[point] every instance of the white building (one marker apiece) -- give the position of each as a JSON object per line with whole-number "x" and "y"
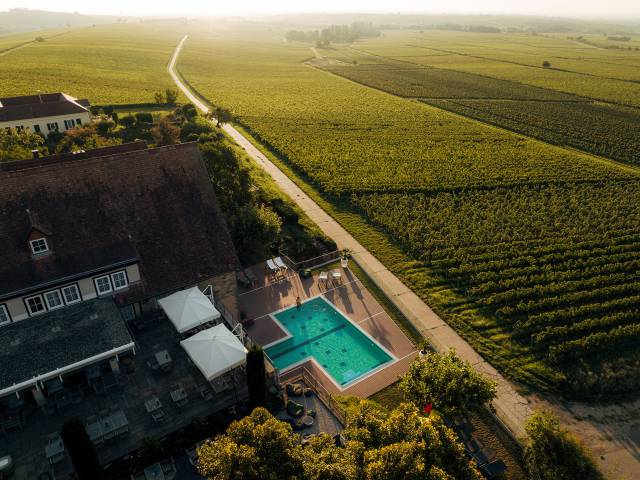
{"x": 44, "y": 113}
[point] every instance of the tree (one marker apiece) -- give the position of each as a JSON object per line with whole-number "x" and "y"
{"x": 223, "y": 115}
{"x": 165, "y": 133}
{"x": 84, "y": 137}
{"x": 256, "y": 377}
{"x": 18, "y": 145}
{"x": 552, "y": 453}
{"x": 381, "y": 445}
{"x": 450, "y": 384}
{"x": 546, "y": 64}
{"x": 257, "y": 447}
{"x": 81, "y": 450}
{"x": 171, "y": 95}
{"x": 158, "y": 97}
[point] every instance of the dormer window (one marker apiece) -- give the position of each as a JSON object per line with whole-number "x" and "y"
{"x": 39, "y": 246}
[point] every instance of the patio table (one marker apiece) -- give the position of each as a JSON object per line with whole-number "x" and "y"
{"x": 152, "y": 404}
{"x": 154, "y": 472}
{"x": 54, "y": 450}
{"x": 118, "y": 422}
{"x": 179, "y": 396}
{"x": 94, "y": 431}
{"x": 164, "y": 359}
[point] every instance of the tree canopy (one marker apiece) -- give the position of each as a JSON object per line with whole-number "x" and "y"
{"x": 552, "y": 453}
{"x": 17, "y": 145}
{"x": 381, "y": 445}
{"x": 450, "y": 384}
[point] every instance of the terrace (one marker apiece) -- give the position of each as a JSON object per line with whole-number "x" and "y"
{"x": 139, "y": 381}
{"x": 273, "y": 292}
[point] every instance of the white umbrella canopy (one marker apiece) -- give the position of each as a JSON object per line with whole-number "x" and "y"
{"x": 188, "y": 308}
{"x": 215, "y": 351}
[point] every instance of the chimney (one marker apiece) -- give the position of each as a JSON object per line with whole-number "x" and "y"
{"x": 36, "y": 153}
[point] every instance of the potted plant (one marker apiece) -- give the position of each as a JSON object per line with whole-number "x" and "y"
{"x": 345, "y": 255}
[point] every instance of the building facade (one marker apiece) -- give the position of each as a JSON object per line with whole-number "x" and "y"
{"x": 44, "y": 113}
{"x": 89, "y": 242}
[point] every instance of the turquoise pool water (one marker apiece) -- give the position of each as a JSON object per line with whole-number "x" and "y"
{"x": 319, "y": 330}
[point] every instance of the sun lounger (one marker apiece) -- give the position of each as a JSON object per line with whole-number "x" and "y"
{"x": 323, "y": 277}
{"x": 336, "y": 275}
{"x": 271, "y": 266}
{"x": 280, "y": 264}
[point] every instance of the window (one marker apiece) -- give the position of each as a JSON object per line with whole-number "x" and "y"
{"x": 119, "y": 280}
{"x": 103, "y": 285}
{"x": 128, "y": 313}
{"x": 39, "y": 245}
{"x": 69, "y": 124}
{"x": 35, "y": 305}
{"x": 52, "y": 126}
{"x": 78, "y": 121}
{"x": 4, "y": 315}
{"x": 36, "y": 128}
{"x": 71, "y": 294}
{"x": 53, "y": 299}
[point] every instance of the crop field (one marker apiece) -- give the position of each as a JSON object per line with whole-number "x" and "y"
{"x": 529, "y": 250}
{"x": 575, "y": 68}
{"x": 111, "y": 64}
{"x": 604, "y": 129}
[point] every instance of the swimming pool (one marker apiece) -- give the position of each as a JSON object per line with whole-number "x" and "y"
{"x": 320, "y": 331}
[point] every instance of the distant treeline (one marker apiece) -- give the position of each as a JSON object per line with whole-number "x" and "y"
{"x": 335, "y": 33}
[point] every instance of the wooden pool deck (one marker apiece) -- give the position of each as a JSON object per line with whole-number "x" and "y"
{"x": 352, "y": 299}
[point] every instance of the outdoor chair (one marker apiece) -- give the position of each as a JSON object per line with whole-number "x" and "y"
{"x": 242, "y": 279}
{"x": 77, "y": 396}
{"x": 323, "y": 277}
{"x": 153, "y": 365}
{"x": 158, "y": 415}
{"x": 280, "y": 264}
{"x": 205, "y": 392}
{"x": 252, "y": 278}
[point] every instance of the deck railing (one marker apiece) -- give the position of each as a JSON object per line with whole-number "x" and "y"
{"x": 311, "y": 263}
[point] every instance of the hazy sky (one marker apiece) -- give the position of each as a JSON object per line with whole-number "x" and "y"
{"x": 618, "y": 8}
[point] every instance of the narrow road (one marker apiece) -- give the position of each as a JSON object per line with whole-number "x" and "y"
{"x": 510, "y": 406}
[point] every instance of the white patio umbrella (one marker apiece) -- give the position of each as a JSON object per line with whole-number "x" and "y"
{"x": 188, "y": 308}
{"x": 215, "y": 351}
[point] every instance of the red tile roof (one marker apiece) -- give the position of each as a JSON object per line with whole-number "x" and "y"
{"x": 102, "y": 207}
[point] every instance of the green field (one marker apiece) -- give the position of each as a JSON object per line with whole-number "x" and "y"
{"x": 111, "y": 64}
{"x": 529, "y": 250}
{"x": 546, "y": 113}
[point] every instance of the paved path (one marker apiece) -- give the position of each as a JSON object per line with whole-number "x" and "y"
{"x": 511, "y": 407}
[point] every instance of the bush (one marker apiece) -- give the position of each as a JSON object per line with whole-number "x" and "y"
{"x": 81, "y": 450}
{"x": 104, "y": 127}
{"x": 128, "y": 121}
{"x": 552, "y": 453}
{"x": 144, "y": 117}
{"x": 546, "y": 64}
{"x": 171, "y": 95}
